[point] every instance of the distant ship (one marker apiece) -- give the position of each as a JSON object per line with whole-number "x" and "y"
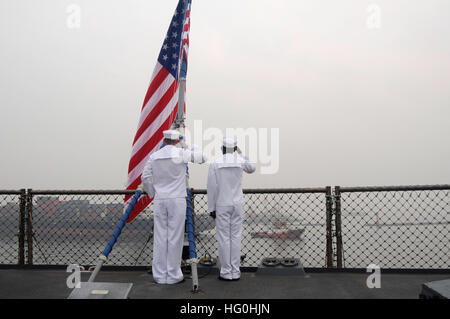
{"x": 288, "y": 234}
{"x": 283, "y": 232}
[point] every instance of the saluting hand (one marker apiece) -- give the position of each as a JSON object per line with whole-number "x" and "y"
{"x": 183, "y": 144}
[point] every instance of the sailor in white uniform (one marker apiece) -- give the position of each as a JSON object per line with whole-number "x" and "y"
{"x": 164, "y": 179}
{"x": 225, "y": 200}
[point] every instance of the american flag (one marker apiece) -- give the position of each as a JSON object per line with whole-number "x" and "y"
{"x": 161, "y": 101}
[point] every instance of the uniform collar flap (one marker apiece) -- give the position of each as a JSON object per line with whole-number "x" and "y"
{"x": 168, "y": 151}
{"x": 230, "y": 160}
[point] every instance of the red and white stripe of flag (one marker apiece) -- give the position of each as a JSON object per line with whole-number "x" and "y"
{"x": 157, "y": 115}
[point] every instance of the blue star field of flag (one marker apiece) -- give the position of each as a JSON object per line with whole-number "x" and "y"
{"x": 170, "y": 52}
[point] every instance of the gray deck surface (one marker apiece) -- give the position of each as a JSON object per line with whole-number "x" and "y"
{"x": 30, "y": 283}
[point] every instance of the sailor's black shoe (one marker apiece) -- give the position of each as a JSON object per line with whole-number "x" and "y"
{"x": 224, "y": 279}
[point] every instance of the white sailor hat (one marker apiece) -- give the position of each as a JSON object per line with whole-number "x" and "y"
{"x": 172, "y": 135}
{"x": 229, "y": 142}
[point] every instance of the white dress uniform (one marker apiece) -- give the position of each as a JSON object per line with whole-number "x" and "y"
{"x": 225, "y": 197}
{"x": 164, "y": 179}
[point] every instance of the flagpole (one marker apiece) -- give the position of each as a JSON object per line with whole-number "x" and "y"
{"x": 180, "y": 125}
{"x": 179, "y": 119}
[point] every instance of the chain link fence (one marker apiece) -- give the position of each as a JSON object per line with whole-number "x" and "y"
{"x": 395, "y": 227}
{"x": 12, "y": 227}
{"x": 73, "y": 228}
{"x": 280, "y": 223}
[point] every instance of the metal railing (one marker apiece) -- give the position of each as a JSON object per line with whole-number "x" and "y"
{"x": 12, "y": 226}
{"x": 342, "y": 227}
{"x": 72, "y": 227}
{"x": 283, "y": 223}
{"x": 394, "y": 227}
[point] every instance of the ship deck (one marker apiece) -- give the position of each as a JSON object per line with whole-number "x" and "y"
{"x": 20, "y": 283}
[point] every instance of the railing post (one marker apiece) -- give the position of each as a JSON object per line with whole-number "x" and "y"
{"x": 21, "y": 256}
{"x": 193, "y": 208}
{"x": 337, "y": 203}
{"x": 29, "y": 222}
{"x": 329, "y": 247}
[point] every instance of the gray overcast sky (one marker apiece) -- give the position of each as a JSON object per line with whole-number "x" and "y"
{"x": 354, "y": 105}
